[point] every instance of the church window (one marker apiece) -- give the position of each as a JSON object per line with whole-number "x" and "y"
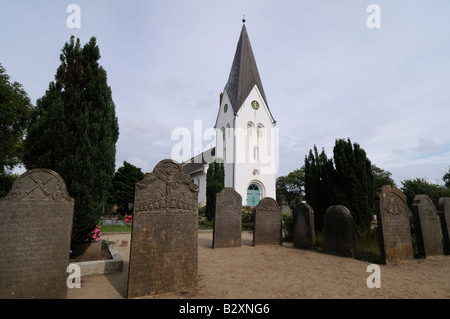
{"x": 250, "y": 128}
{"x": 255, "y": 153}
{"x": 224, "y": 145}
{"x": 260, "y": 131}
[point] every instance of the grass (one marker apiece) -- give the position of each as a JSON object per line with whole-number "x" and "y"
{"x": 115, "y": 228}
{"x": 366, "y": 245}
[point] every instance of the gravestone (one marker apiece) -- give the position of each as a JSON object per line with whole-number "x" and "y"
{"x": 35, "y": 234}
{"x": 394, "y": 232}
{"x": 267, "y": 223}
{"x": 164, "y": 236}
{"x": 444, "y": 217}
{"x": 227, "y": 231}
{"x": 303, "y": 220}
{"x": 428, "y": 234}
{"x": 339, "y": 231}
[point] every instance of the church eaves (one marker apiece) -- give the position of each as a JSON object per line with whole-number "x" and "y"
{"x": 244, "y": 73}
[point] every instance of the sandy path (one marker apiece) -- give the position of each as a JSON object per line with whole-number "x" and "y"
{"x": 274, "y": 272}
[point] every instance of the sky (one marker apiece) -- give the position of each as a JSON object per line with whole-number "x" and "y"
{"x": 326, "y": 73}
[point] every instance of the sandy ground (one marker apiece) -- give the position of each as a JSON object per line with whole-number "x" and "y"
{"x": 282, "y": 272}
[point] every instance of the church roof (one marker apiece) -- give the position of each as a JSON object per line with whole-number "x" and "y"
{"x": 195, "y": 164}
{"x": 244, "y": 73}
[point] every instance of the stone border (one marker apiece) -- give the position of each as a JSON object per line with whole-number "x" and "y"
{"x": 100, "y": 267}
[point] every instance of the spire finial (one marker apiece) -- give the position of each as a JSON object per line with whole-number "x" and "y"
{"x": 243, "y": 18}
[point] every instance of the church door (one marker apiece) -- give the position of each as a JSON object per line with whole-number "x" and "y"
{"x": 253, "y": 195}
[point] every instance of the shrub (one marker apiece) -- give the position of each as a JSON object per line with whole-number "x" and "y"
{"x": 287, "y": 227}
{"x": 248, "y": 218}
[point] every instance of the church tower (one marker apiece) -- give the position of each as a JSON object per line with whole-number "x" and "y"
{"x": 246, "y": 138}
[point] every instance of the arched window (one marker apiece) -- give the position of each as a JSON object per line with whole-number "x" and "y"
{"x": 260, "y": 131}
{"x": 224, "y": 145}
{"x": 250, "y": 142}
{"x": 250, "y": 129}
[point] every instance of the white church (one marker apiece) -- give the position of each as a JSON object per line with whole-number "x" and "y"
{"x": 246, "y": 137}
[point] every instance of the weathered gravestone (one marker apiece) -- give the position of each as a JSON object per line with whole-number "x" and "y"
{"x": 428, "y": 235}
{"x": 164, "y": 237}
{"x": 444, "y": 217}
{"x": 35, "y": 234}
{"x": 339, "y": 231}
{"x": 394, "y": 233}
{"x": 227, "y": 230}
{"x": 267, "y": 223}
{"x": 303, "y": 220}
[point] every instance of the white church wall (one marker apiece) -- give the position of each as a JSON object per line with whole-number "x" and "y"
{"x": 255, "y": 158}
{"x": 225, "y": 147}
{"x": 200, "y": 181}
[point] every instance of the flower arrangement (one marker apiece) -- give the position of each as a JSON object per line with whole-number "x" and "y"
{"x": 94, "y": 235}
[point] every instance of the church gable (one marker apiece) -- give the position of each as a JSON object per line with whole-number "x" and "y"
{"x": 254, "y": 108}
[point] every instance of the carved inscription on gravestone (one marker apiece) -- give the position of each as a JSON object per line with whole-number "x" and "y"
{"x": 164, "y": 237}
{"x": 227, "y": 230}
{"x": 267, "y": 223}
{"x": 444, "y": 217}
{"x": 394, "y": 234}
{"x": 35, "y": 234}
{"x": 426, "y": 223}
{"x": 303, "y": 220}
{"x": 339, "y": 231}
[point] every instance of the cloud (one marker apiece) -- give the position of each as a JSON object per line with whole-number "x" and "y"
{"x": 325, "y": 74}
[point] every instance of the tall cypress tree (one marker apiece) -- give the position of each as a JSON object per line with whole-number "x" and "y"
{"x": 348, "y": 181}
{"x": 319, "y": 184}
{"x": 354, "y": 181}
{"x": 215, "y": 181}
{"x": 74, "y": 131}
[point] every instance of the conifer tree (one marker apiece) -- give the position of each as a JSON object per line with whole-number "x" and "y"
{"x": 74, "y": 131}
{"x": 348, "y": 181}
{"x": 354, "y": 181}
{"x": 122, "y": 189}
{"x": 319, "y": 184}
{"x": 215, "y": 181}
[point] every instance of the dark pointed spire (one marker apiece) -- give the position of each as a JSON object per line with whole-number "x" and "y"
{"x": 244, "y": 72}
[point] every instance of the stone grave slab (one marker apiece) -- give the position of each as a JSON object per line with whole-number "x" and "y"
{"x": 394, "y": 231}
{"x": 444, "y": 217}
{"x": 227, "y": 230}
{"x": 428, "y": 234}
{"x": 35, "y": 234}
{"x": 267, "y": 223}
{"x": 339, "y": 231}
{"x": 164, "y": 237}
{"x": 303, "y": 220}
